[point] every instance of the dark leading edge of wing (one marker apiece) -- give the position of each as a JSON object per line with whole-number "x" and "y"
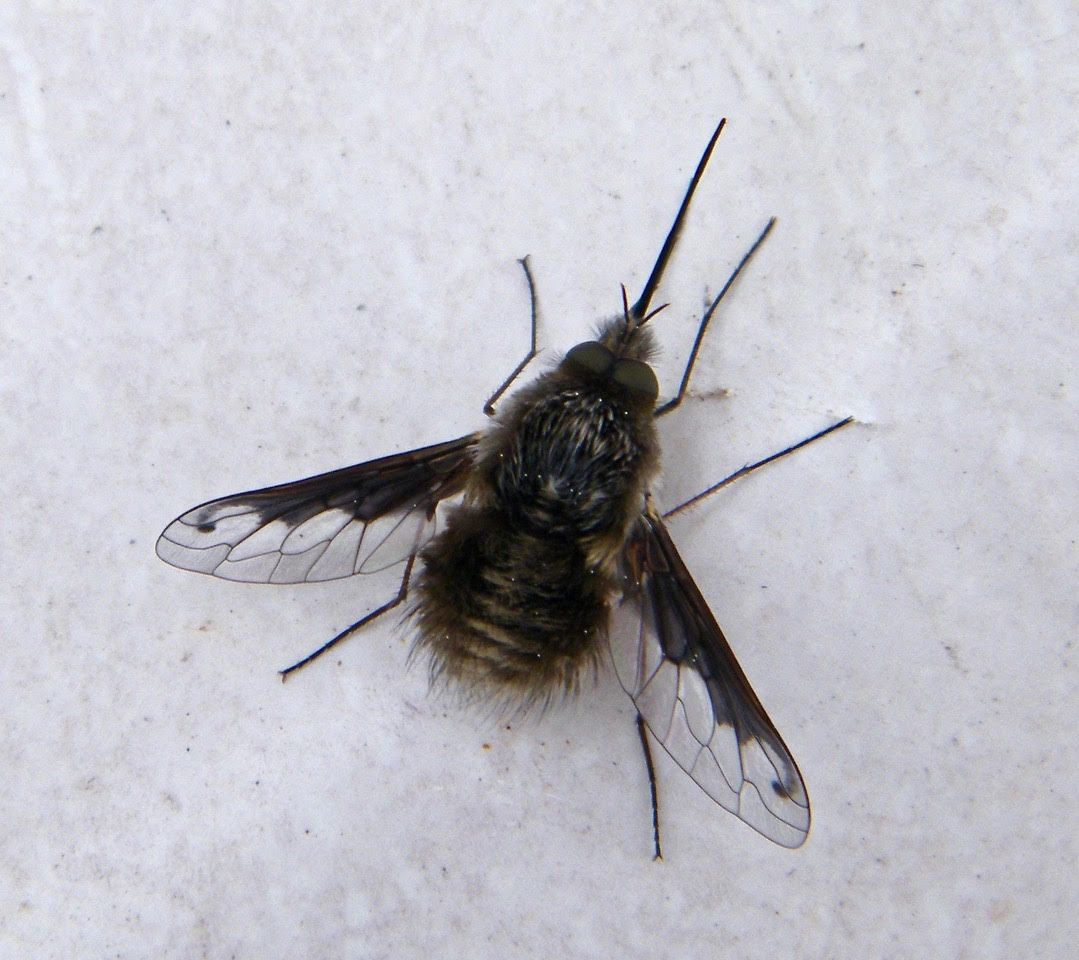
{"x": 358, "y": 519}
{"x": 694, "y": 697}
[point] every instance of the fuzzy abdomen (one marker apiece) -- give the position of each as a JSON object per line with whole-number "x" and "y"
{"x": 514, "y": 594}
{"x": 507, "y": 610}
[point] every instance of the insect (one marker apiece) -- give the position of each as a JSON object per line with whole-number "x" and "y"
{"x": 550, "y": 532}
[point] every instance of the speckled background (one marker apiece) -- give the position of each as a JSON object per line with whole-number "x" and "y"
{"x": 246, "y": 242}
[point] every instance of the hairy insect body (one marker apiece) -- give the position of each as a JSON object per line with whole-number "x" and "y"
{"x": 548, "y": 517}
{"x": 515, "y": 593}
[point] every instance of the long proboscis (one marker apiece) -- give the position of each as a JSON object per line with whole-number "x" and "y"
{"x": 639, "y": 310}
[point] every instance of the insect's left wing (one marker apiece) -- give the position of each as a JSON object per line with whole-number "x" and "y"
{"x": 695, "y": 699}
{"x": 359, "y": 519}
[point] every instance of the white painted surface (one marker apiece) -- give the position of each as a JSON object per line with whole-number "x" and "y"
{"x": 196, "y": 203}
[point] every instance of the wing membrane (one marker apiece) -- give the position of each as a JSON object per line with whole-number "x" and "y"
{"x": 683, "y": 676}
{"x": 358, "y": 519}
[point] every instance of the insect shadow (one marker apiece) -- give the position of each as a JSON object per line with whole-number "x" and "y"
{"x": 551, "y": 549}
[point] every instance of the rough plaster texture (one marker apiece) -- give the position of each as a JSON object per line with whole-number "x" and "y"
{"x": 245, "y": 242}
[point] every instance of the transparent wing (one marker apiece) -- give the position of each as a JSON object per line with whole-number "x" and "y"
{"x": 359, "y": 519}
{"x": 695, "y": 699}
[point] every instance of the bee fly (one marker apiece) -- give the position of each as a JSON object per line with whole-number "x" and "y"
{"x": 553, "y": 532}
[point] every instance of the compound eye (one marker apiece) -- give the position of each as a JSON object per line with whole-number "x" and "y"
{"x": 637, "y": 377}
{"x": 592, "y": 356}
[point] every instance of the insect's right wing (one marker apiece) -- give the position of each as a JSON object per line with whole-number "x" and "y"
{"x": 358, "y": 519}
{"x": 695, "y": 699}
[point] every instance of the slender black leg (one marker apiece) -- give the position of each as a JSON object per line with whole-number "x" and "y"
{"x": 707, "y": 318}
{"x": 489, "y": 406}
{"x": 402, "y": 593}
{"x": 750, "y": 467}
{"x": 642, "y": 732}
